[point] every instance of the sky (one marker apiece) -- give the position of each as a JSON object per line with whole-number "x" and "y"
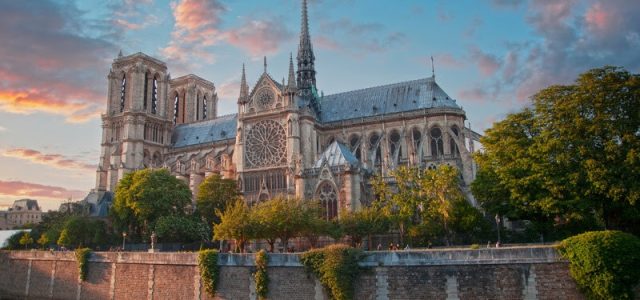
{"x": 489, "y": 55}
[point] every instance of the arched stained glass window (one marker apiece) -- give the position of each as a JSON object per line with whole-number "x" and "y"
{"x": 154, "y": 96}
{"x": 204, "y": 107}
{"x": 176, "y": 108}
{"x": 328, "y": 197}
{"x": 437, "y": 145}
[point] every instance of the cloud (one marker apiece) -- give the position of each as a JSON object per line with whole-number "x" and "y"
{"x": 132, "y": 14}
{"x": 507, "y": 3}
{"x": 357, "y": 38}
{"x": 52, "y": 160}
{"x": 3, "y": 129}
{"x": 487, "y": 63}
{"x": 259, "y": 37}
{"x": 21, "y": 189}
{"x": 51, "y": 57}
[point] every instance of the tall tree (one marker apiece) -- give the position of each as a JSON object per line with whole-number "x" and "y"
{"x": 280, "y": 218}
{"x": 215, "y": 193}
{"x": 143, "y": 196}
{"x": 364, "y": 223}
{"x": 575, "y": 152}
{"x": 236, "y": 223}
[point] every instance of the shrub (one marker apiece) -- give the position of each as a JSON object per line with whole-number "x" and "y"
{"x": 82, "y": 256}
{"x": 604, "y": 264}
{"x": 475, "y": 247}
{"x": 261, "y": 277}
{"x": 208, "y": 264}
{"x": 336, "y": 267}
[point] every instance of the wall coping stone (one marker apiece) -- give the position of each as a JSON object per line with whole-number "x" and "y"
{"x": 430, "y": 257}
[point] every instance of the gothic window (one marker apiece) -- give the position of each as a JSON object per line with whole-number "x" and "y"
{"x": 176, "y": 108}
{"x": 354, "y": 142}
{"x": 123, "y": 87}
{"x": 154, "y": 96}
{"x": 452, "y": 143}
{"x": 416, "y": 137}
{"x": 394, "y": 145}
{"x": 265, "y": 144}
{"x": 437, "y": 146}
{"x": 328, "y": 197}
{"x": 204, "y": 107}
{"x": 197, "y": 106}
{"x": 374, "y": 149}
{"x": 146, "y": 88}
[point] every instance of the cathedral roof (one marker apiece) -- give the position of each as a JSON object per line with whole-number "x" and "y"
{"x": 386, "y": 99}
{"x": 209, "y": 131}
{"x": 337, "y": 154}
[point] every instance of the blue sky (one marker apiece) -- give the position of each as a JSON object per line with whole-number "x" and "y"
{"x": 490, "y": 55}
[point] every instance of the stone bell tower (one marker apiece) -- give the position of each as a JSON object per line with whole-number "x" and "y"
{"x": 137, "y": 124}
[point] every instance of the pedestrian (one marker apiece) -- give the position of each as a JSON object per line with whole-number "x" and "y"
{"x": 390, "y": 246}
{"x": 379, "y": 247}
{"x": 407, "y": 247}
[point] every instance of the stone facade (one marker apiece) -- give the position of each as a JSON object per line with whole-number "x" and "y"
{"x": 22, "y": 212}
{"x": 286, "y": 138}
{"x": 503, "y": 273}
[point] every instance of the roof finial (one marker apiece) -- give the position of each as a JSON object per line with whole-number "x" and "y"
{"x": 292, "y": 76}
{"x": 244, "y": 88}
{"x": 433, "y": 69}
{"x": 120, "y": 53}
{"x": 265, "y": 64}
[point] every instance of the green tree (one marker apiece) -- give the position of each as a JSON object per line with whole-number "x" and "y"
{"x": 64, "y": 240}
{"x": 441, "y": 189}
{"x": 215, "y": 193}
{"x": 143, "y": 196}
{"x": 236, "y": 223}
{"x": 26, "y": 240}
{"x": 280, "y": 218}
{"x": 182, "y": 229}
{"x": 363, "y": 223}
{"x": 44, "y": 241}
{"x": 576, "y": 149}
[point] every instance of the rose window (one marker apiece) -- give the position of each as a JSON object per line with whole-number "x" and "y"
{"x": 265, "y": 99}
{"x": 265, "y": 144}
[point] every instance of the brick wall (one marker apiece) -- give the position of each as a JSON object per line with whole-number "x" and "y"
{"x": 459, "y": 274}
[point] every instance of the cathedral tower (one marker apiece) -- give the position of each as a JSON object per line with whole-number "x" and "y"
{"x": 136, "y": 127}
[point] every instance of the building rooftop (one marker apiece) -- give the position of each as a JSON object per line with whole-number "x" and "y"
{"x": 209, "y": 131}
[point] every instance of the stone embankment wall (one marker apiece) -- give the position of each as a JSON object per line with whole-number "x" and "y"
{"x": 504, "y": 273}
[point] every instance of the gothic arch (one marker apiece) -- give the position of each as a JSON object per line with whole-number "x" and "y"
{"x": 155, "y": 86}
{"x": 395, "y": 146}
{"x": 454, "y": 150}
{"x": 416, "y": 141}
{"x": 355, "y": 145}
{"x": 327, "y": 194}
{"x": 436, "y": 141}
{"x": 374, "y": 149}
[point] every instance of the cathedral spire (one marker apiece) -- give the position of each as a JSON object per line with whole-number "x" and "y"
{"x": 306, "y": 58}
{"x": 244, "y": 88}
{"x": 291, "y": 85}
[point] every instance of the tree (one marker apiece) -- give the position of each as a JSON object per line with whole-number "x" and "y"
{"x": 83, "y": 232}
{"x": 215, "y": 193}
{"x": 280, "y": 218}
{"x": 576, "y": 149}
{"x": 44, "y": 241}
{"x": 64, "y": 240}
{"x": 143, "y": 196}
{"x": 363, "y": 223}
{"x": 181, "y": 229}
{"x": 236, "y": 223}
{"x": 441, "y": 188}
{"x": 26, "y": 240}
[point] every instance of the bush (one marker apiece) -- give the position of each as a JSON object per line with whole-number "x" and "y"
{"x": 261, "y": 277}
{"x": 475, "y": 247}
{"x": 82, "y": 256}
{"x": 208, "y": 264}
{"x": 605, "y": 264}
{"x": 336, "y": 267}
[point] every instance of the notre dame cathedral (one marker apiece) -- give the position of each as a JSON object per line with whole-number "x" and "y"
{"x": 284, "y": 139}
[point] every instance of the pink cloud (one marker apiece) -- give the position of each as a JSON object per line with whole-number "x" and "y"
{"x": 488, "y": 64}
{"x": 53, "y": 160}
{"x": 597, "y": 18}
{"x": 20, "y": 189}
{"x": 259, "y": 37}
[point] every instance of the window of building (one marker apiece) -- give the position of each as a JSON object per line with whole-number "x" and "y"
{"x": 123, "y": 88}
{"x": 437, "y": 146}
{"x": 154, "y": 96}
{"x": 328, "y": 197}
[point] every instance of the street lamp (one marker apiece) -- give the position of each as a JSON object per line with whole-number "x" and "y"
{"x": 498, "y": 226}
{"x": 124, "y": 237}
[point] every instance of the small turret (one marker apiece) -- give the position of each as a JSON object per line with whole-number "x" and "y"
{"x": 306, "y": 58}
{"x": 291, "y": 85}
{"x": 244, "y": 88}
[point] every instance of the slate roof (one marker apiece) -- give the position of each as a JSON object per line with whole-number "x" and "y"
{"x": 382, "y": 100}
{"x": 337, "y": 154}
{"x": 209, "y": 131}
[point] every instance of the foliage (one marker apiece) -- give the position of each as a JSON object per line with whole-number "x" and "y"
{"x": 428, "y": 205}
{"x": 605, "y": 264}
{"x": 181, "y": 229}
{"x": 336, "y": 267}
{"x": 13, "y": 242}
{"x": 280, "y": 218}
{"x": 363, "y": 223}
{"x": 236, "y": 223}
{"x": 44, "y": 241}
{"x": 82, "y": 257}
{"x": 208, "y": 264}
{"x": 26, "y": 240}
{"x": 314, "y": 226}
{"x": 261, "y": 277}
{"x": 143, "y": 196}
{"x": 215, "y": 193}
{"x": 575, "y": 149}
{"x": 83, "y": 231}
{"x": 474, "y": 247}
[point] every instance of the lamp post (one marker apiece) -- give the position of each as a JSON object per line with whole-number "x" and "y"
{"x": 124, "y": 238}
{"x": 498, "y": 227}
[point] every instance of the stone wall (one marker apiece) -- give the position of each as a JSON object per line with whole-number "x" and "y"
{"x": 505, "y": 273}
